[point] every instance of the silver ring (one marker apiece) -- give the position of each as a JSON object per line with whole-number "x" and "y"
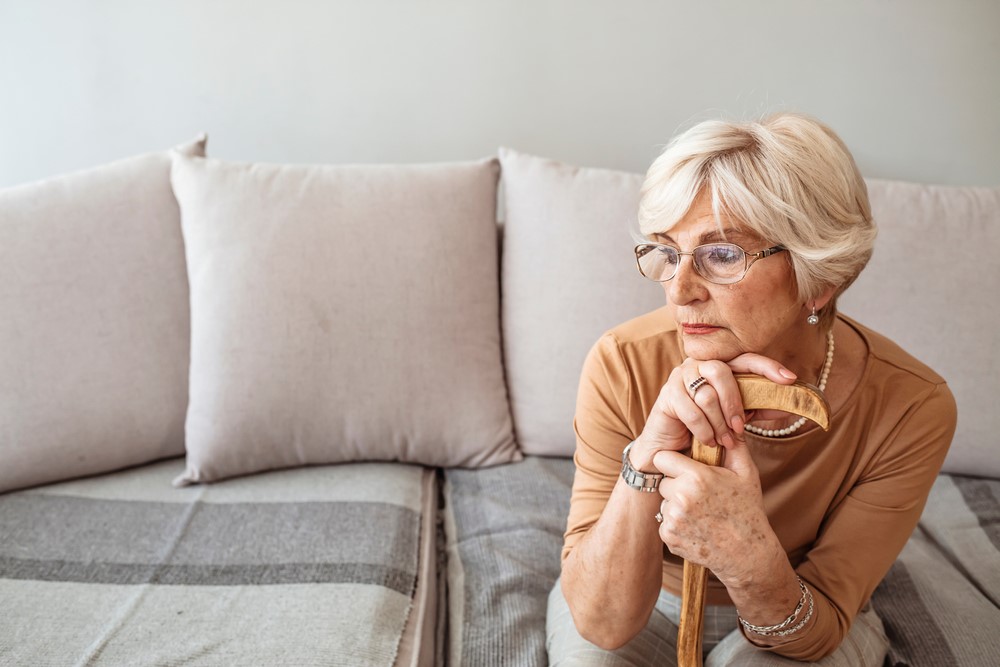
{"x": 695, "y": 385}
{"x": 659, "y": 517}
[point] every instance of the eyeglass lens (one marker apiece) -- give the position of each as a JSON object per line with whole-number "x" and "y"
{"x": 718, "y": 262}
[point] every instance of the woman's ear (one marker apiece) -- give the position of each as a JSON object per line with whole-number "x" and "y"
{"x": 823, "y": 298}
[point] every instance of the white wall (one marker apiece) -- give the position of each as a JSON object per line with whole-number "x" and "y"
{"x": 912, "y": 85}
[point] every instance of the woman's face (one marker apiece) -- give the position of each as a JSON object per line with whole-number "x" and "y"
{"x": 761, "y": 313}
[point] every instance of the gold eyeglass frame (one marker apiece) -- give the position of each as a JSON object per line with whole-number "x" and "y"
{"x": 643, "y": 249}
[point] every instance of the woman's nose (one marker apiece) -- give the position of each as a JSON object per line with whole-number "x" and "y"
{"x": 686, "y": 285}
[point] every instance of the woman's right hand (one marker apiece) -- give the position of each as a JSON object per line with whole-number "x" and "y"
{"x": 713, "y": 414}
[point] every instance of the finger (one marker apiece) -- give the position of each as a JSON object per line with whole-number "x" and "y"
{"x": 674, "y": 464}
{"x": 666, "y": 487}
{"x": 722, "y": 402}
{"x": 689, "y": 412}
{"x": 740, "y": 461}
{"x": 667, "y": 524}
{"x": 708, "y": 400}
{"x": 761, "y": 365}
{"x": 664, "y": 428}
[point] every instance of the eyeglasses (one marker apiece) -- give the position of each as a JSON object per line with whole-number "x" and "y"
{"x": 719, "y": 263}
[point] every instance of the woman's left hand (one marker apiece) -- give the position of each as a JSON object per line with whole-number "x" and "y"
{"x": 714, "y": 516}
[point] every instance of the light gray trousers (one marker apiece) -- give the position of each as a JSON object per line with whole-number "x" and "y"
{"x": 864, "y": 646}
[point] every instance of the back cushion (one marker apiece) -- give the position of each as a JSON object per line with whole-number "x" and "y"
{"x": 930, "y": 286}
{"x": 94, "y": 325}
{"x": 568, "y": 275}
{"x": 342, "y": 313}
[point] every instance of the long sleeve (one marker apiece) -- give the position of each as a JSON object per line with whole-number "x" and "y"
{"x": 865, "y": 532}
{"x": 602, "y": 433}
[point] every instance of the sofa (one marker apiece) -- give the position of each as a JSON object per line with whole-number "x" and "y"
{"x": 322, "y": 414}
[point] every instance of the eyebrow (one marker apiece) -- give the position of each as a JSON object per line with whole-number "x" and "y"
{"x": 710, "y": 236}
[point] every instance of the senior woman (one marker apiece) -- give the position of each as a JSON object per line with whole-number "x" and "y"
{"x": 753, "y": 230}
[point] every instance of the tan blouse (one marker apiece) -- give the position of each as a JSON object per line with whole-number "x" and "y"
{"x": 843, "y": 502}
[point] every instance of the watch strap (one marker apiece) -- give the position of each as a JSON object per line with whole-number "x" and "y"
{"x": 640, "y": 481}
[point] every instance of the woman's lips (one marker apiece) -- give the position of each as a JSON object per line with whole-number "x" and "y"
{"x": 697, "y": 329}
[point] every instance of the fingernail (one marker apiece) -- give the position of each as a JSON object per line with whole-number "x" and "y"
{"x": 787, "y": 373}
{"x": 727, "y": 440}
{"x": 737, "y": 423}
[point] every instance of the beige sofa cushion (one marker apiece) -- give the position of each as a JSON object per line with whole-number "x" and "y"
{"x": 930, "y": 286}
{"x": 93, "y": 291}
{"x": 568, "y": 274}
{"x": 342, "y": 313}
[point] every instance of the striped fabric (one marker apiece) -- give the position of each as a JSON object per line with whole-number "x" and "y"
{"x": 940, "y": 603}
{"x": 314, "y": 566}
{"x": 318, "y": 566}
{"x": 504, "y": 528}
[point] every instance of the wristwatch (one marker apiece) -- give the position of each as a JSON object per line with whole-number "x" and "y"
{"x": 640, "y": 481}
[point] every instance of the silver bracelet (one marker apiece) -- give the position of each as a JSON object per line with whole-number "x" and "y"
{"x": 767, "y": 630}
{"x": 798, "y": 626}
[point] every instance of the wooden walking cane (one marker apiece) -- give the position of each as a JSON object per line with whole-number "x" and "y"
{"x": 758, "y": 393}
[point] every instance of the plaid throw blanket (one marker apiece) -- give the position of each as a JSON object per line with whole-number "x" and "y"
{"x": 314, "y": 566}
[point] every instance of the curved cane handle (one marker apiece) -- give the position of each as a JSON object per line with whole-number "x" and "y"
{"x": 758, "y": 393}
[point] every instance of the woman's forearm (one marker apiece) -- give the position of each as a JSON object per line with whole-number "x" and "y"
{"x": 612, "y": 578}
{"x": 769, "y": 592}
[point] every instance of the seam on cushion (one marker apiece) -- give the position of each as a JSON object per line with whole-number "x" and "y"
{"x": 98, "y": 646}
{"x": 441, "y": 634}
{"x": 454, "y": 580}
{"x": 193, "y": 508}
{"x": 416, "y": 608}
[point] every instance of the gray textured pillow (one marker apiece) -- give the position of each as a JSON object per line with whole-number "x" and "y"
{"x": 94, "y": 325}
{"x": 928, "y": 287}
{"x": 342, "y": 313}
{"x": 568, "y": 275}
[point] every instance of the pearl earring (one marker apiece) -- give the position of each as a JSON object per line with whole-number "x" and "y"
{"x": 814, "y": 318}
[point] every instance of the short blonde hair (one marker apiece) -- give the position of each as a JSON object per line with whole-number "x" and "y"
{"x": 787, "y": 177}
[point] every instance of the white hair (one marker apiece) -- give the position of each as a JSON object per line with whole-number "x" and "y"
{"x": 787, "y": 177}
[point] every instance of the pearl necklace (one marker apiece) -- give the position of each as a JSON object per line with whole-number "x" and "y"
{"x": 824, "y": 374}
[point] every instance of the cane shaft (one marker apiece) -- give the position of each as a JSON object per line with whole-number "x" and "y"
{"x": 695, "y": 586}
{"x": 757, "y": 393}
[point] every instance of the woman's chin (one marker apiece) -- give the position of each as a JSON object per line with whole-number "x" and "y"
{"x": 696, "y": 347}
